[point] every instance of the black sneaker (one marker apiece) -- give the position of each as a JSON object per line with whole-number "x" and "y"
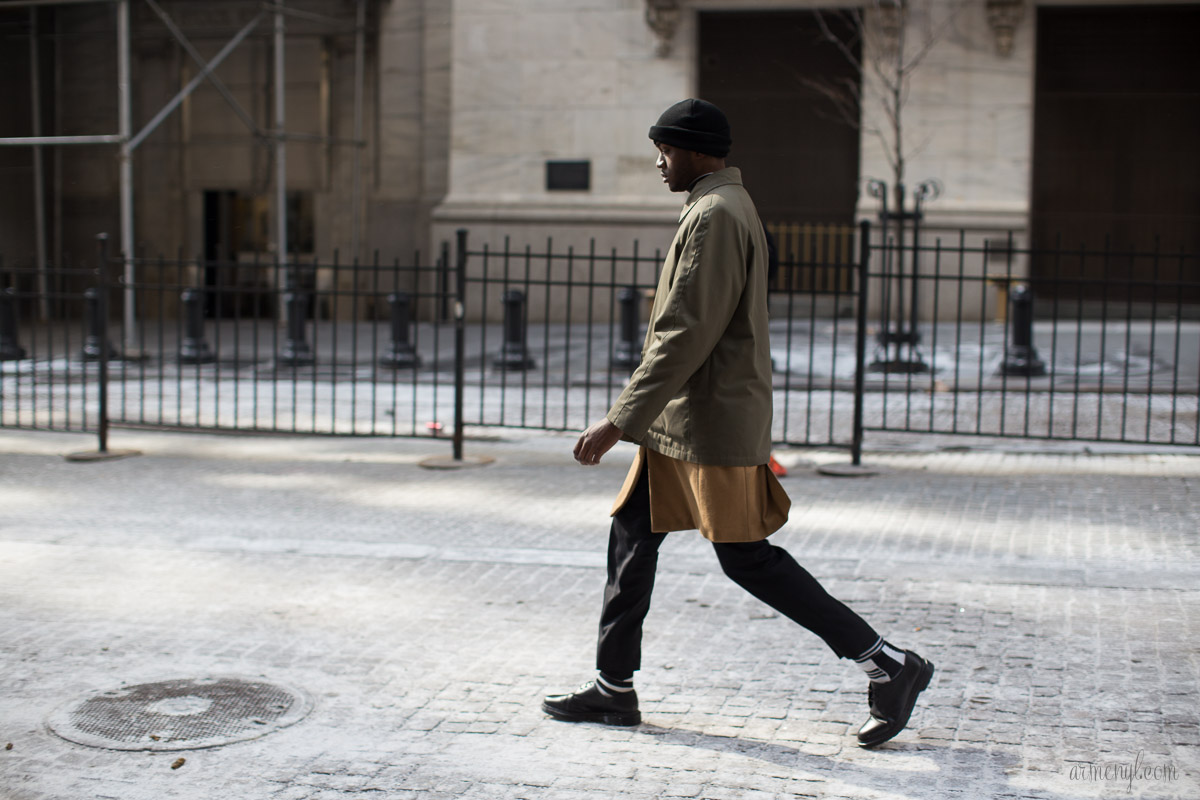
{"x": 892, "y": 702}
{"x": 590, "y": 704}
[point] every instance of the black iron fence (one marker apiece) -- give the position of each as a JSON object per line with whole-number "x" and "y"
{"x": 324, "y": 348}
{"x": 1087, "y": 345}
{"x": 969, "y": 338}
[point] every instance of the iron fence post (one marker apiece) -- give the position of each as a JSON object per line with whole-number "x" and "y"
{"x": 194, "y": 348}
{"x": 10, "y": 345}
{"x": 629, "y": 351}
{"x": 513, "y": 355}
{"x": 443, "y": 278}
{"x": 860, "y": 342}
{"x": 296, "y": 351}
{"x": 1021, "y": 357}
{"x": 460, "y": 338}
{"x": 400, "y": 353}
{"x": 102, "y": 314}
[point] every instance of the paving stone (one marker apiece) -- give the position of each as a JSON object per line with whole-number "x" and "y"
{"x": 427, "y": 613}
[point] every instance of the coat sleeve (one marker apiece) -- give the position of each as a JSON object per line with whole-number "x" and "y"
{"x": 709, "y": 280}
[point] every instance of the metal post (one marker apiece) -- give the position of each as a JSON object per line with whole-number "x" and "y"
{"x": 855, "y": 468}
{"x": 125, "y": 129}
{"x": 296, "y": 351}
{"x": 102, "y": 314}
{"x": 32, "y": 3}
{"x": 914, "y": 294}
{"x": 57, "y": 253}
{"x": 879, "y": 190}
{"x": 898, "y": 335}
{"x": 96, "y": 342}
{"x": 359, "y": 23}
{"x": 443, "y": 277}
{"x": 93, "y": 341}
{"x": 10, "y": 345}
{"x": 194, "y": 348}
{"x": 513, "y": 355}
{"x": 903, "y": 334}
{"x": 460, "y": 339}
{"x": 1020, "y": 357}
{"x": 39, "y": 189}
{"x": 281, "y": 237}
{"x": 97, "y": 298}
{"x": 860, "y": 343}
{"x": 926, "y": 190}
{"x": 103, "y": 138}
{"x": 629, "y": 351}
{"x": 400, "y": 353}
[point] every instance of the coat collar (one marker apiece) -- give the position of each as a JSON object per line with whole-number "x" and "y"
{"x": 722, "y": 177}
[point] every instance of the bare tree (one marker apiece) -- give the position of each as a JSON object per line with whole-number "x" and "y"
{"x": 884, "y": 51}
{"x": 885, "y": 43}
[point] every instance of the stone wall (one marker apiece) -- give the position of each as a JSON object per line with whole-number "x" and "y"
{"x": 534, "y": 81}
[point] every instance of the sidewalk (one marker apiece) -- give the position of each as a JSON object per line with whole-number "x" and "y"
{"x": 423, "y": 614}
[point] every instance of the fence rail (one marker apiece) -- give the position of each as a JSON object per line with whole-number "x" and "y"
{"x": 867, "y": 338}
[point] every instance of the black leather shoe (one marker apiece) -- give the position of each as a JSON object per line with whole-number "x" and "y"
{"x": 589, "y": 704}
{"x": 892, "y": 702}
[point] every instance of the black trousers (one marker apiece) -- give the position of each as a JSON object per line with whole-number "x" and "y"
{"x": 762, "y": 569}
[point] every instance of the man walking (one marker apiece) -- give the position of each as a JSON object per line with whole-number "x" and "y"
{"x": 699, "y": 406}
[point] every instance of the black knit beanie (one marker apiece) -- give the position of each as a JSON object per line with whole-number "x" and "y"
{"x": 694, "y": 125}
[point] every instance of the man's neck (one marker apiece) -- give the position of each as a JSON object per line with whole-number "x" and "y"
{"x": 697, "y": 180}
{"x": 708, "y": 165}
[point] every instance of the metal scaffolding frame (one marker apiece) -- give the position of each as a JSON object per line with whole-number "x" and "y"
{"x": 128, "y": 141}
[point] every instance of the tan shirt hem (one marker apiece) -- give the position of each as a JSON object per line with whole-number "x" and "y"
{"x": 726, "y": 504}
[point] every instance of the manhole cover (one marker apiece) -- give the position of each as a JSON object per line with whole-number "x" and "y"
{"x": 186, "y": 714}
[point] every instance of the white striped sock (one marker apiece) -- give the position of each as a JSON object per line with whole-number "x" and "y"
{"x": 881, "y": 661}
{"x": 608, "y": 687}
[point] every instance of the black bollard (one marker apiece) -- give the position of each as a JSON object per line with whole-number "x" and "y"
{"x": 94, "y": 342}
{"x": 1020, "y": 357}
{"x": 400, "y": 353}
{"x": 513, "y": 355}
{"x": 10, "y": 346}
{"x": 194, "y": 349}
{"x": 629, "y": 349}
{"x": 296, "y": 352}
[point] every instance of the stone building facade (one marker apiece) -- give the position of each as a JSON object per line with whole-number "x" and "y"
{"x": 527, "y": 119}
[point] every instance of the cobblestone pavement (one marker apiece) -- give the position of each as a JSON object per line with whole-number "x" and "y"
{"x": 425, "y": 613}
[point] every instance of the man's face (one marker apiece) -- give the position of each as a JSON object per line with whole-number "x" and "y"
{"x": 678, "y": 167}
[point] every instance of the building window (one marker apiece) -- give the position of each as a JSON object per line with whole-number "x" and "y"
{"x": 568, "y": 176}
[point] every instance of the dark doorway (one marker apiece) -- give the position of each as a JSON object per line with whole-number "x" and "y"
{"x": 220, "y": 252}
{"x": 798, "y": 154}
{"x": 1116, "y": 154}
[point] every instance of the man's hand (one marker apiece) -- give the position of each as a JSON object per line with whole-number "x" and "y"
{"x": 595, "y": 442}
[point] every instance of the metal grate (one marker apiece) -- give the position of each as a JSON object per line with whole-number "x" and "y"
{"x": 185, "y": 714}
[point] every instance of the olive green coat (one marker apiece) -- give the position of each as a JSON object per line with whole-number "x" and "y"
{"x": 703, "y": 390}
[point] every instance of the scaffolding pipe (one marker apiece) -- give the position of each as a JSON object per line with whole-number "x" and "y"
{"x": 57, "y": 254}
{"x": 39, "y": 189}
{"x": 103, "y": 138}
{"x": 320, "y": 138}
{"x": 359, "y": 22}
{"x": 32, "y": 3}
{"x": 125, "y": 126}
{"x": 280, "y": 147}
{"x": 129, "y": 142}
{"x": 199, "y": 78}
{"x": 330, "y": 22}
{"x": 217, "y": 83}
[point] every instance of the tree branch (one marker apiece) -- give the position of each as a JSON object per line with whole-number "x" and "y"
{"x": 855, "y": 23}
